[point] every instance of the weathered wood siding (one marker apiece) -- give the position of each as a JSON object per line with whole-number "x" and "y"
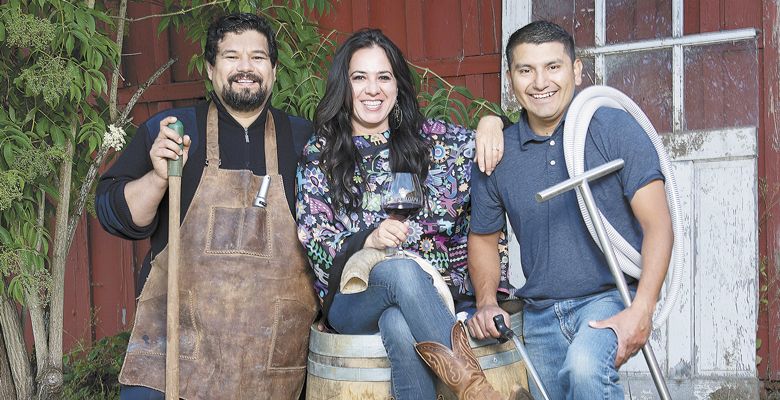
{"x": 769, "y": 195}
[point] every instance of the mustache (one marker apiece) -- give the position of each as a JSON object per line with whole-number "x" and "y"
{"x": 245, "y": 75}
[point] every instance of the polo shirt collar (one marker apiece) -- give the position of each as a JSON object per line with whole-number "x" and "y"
{"x": 528, "y": 135}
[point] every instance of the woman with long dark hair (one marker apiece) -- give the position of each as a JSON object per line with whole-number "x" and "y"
{"x": 368, "y": 125}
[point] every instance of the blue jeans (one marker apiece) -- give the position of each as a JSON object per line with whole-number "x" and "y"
{"x": 139, "y": 393}
{"x": 574, "y": 360}
{"x": 404, "y": 307}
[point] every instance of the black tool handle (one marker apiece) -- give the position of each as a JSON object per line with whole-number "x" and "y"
{"x": 503, "y": 330}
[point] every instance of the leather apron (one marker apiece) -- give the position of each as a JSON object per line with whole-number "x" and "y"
{"x": 246, "y": 302}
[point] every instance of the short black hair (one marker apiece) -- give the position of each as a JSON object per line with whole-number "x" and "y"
{"x": 238, "y": 23}
{"x": 540, "y": 32}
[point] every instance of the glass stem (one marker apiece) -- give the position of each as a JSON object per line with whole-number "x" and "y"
{"x": 390, "y": 252}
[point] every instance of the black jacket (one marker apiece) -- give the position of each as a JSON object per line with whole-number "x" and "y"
{"x": 292, "y": 133}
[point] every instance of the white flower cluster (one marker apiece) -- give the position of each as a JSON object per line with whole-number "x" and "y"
{"x": 114, "y": 137}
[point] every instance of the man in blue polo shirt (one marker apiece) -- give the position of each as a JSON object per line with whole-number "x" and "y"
{"x": 576, "y": 329}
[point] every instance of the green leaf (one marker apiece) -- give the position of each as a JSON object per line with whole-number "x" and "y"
{"x": 463, "y": 91}
{"x": 164, "y": 23}
{"x": 99, "y": 84}
{"x": 70, "y": 42}
{"x": 8, "y": 154}
{"x": 88, "y": 84}
{"x": 5, "y": 236}
{"x": 98, "y": 62}
{"x": 90, "y": 23}
{"x": 51, "y": 191}
{"x": 84, "y": 40}
{"x": 93, "y": 144}
{"x": 57, "y": 136}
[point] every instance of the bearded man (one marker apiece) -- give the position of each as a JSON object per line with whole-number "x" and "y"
{"x": 246, "y": 302}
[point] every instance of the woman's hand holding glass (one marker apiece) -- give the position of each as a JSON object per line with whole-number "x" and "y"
{"x": 402, "y": 199}
{"x": 390, "y": 234}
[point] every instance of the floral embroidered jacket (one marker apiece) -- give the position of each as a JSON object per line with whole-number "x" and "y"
{"x": 438, "y": 233}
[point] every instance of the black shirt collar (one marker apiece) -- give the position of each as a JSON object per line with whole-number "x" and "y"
{"x": 224, "y": 114}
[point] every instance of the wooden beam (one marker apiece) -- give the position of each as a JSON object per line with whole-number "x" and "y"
{"x": 165, "y": 92}
{"x": 469, "y": 66}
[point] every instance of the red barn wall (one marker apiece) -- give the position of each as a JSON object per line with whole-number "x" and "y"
{"x": 458, "y": 39}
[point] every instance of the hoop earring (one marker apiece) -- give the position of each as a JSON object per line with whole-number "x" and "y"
{"x": 397, "y": 115}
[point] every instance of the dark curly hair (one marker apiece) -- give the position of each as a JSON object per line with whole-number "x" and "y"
{"x": 238, "y": 23}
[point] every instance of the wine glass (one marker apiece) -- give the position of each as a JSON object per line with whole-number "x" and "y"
{"x": 402, "y": 198}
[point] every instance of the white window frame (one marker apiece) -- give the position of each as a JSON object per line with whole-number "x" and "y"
{"x": 518, "y": 13}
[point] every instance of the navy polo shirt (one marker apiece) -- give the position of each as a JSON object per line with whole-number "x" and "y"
{"x": 560, "y": 260}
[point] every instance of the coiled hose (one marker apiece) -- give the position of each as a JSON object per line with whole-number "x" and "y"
{"x": 575, "y": 130}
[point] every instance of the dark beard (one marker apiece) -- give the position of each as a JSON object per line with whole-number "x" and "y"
{"x": 244, "y": 100}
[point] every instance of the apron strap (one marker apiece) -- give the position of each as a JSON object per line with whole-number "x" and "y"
{"x": 212, "y": 136}
{"x": 271, "y": 162}
{"x": 212, "y": 141}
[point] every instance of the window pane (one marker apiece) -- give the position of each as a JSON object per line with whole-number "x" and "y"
{"x": 576, "y": 16}
{"x": 721, "y": 82}
{"x": 632, "y": 20}
{"x": 588, "y": 72}
{"x": 645, "y": 77}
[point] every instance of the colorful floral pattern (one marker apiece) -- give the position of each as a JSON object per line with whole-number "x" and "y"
{"x": 438, "y": 233}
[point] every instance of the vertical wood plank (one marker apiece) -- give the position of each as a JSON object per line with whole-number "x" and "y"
{"x": 471, "y": 30}
{"x": 183, "y": 48}
{"x": 725, "y": 275}
{"x": 77, "y": 324}
{"x": 414, "y": 30}
{"x": 389, "y": 17}
{"x": 691, "y": 18}
{"x": 679, "y": 351}
{"x": 474, "y": 83}
{"x": 442, "y": 29}
{"x": 360, "y": 15}
{"x": 742, "y": 14}
{"x": 149, "y": 49}
{"x": 113, "y": 284}
{"x": 709, "y": 16}
{"x": 490, "y": 23}
{"x": 492, "y": 86}
{"x": 514, "y": 15}
{"x": 769, "y": 199}
{"x": 340, "y": 18}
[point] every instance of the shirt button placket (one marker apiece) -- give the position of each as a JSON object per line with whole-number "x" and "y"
{"x": 552, "y": 143}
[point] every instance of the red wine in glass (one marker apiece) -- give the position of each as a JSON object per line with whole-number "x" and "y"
{"x": 402, "y": 198}
{"x": 402, "y": 209}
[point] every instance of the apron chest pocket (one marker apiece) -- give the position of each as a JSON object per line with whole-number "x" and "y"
{"x": 239, "y": 231}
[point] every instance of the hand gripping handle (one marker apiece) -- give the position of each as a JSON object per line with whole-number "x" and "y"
{"x": 175, "y": 166}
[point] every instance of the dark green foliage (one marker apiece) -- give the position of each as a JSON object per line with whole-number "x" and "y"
{"x": 91, "y": 373}
{"x": 53, "y": 56}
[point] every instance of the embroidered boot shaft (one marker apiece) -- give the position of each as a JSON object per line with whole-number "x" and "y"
{"x": 460, "y": 371}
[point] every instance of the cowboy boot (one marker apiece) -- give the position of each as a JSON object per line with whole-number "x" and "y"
{"x": 459, "y": 370}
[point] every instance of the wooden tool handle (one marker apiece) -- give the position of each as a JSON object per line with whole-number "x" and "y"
{"x": 172, "y": 311}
